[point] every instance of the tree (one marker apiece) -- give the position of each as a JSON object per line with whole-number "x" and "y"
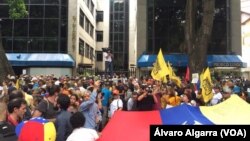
{"x": 17, "y": 10}
{"x": 197, "y": 36}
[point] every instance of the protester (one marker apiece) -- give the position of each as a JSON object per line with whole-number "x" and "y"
{"x": 77, "y": 121}
{"x": 63, "y": 126}
{"x": 7, "y": 131}
{"x": 89, "y": 108}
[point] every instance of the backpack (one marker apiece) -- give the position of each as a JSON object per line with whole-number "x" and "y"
{"x": 7, "y": 132}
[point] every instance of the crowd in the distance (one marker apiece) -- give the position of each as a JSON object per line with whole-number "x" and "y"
{"x": 80, "y": 107}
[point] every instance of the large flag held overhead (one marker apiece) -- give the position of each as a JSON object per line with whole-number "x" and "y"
{"x": 206, "y": 85}
{"x": 138, "y": 123}
{"x": 160, "y": 69}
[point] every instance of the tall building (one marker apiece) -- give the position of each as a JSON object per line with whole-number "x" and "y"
{"x": 161, "y": 25}
{"x": 38, "y": 43}
{"x": 74, "y": 31}
{"x": 81, "y": 33}
{"x": 68, "y": 36}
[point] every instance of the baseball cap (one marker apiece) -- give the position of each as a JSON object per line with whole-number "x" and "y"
{"x": 115, "y": 92}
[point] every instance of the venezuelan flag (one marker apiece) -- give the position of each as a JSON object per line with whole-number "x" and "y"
{"x": 137, "y": 124}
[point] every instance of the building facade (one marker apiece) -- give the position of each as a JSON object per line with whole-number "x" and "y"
{"x": 164, "y": 28}
{"x": 81, "y": 33}
{"x": 165, "y": 21}
{"x": 80, "y": 29}
{"x": 43, "y": 31}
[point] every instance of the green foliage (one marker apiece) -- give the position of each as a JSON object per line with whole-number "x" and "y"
{"x": 17, "y": 9}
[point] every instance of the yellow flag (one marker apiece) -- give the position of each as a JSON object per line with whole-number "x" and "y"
{"x": 160, "y": 69}
{"x": 206, "y": 85}
{"x": 17, "y": 84}
{"x": 173, "y": 76}
{"x": 171, "y": 72}
{"x": 176, "y": 80}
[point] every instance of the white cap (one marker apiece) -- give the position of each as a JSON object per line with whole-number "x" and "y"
{"x": 33, "y": 79}
{"x": 57, "y": 82}
{"x": 44, "y": 86}
{"x": 12, "y": 77}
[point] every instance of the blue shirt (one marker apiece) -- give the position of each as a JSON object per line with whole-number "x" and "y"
{"x": 89, "y": 110}
{"x": 107, "y": 94}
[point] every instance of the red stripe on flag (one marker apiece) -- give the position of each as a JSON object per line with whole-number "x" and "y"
{"x": 130, "y": 126}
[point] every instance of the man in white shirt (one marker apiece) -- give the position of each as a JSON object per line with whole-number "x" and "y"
{"x": 108, "y": 59}
{"x": 116, "y": 104}
{"x": 77, "y": 121}
{"x": 217, "y": 96}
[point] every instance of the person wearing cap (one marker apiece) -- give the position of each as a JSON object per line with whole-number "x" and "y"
{"x": 116, "y": 104}
{"x": 227, "y": 91}
{"x": 34, "y": 80}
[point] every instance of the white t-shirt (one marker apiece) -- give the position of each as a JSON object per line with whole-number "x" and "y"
{"x": 115, "y": 104}
{"x": 83, "y": 134}
{"x": 216, "y": 98}
{"x": 105, "y": 58}
{"x": 130, "y": 103}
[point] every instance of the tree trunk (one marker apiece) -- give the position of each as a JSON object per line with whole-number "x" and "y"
{"x": 5, "y": 67}
{"x": 197, "y": 41}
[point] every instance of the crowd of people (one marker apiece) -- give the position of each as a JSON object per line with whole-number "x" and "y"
{"x": 80, "y": 107}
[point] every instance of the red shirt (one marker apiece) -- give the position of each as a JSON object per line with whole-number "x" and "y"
{"x": 12, "y": 121}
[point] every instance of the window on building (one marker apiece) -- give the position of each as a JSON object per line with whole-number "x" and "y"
{"x": 99, "y": 55}
{"x": 51, "y": 11}
{"x": 92, "y": 7}
{"x": 36, "y": 27}
{"x": 99, "y": 36}
{"x": 51, "y": 28}
{"x": 99, "y": 16}
{"x": 81, "y": 47}
{"x": 19, "y": 29}
{"x": 37, "y": 1}
{"x": 91, "y": 53}
{"x": 4, "y": 11}
{"x": 81, "y": 21}
{"x": 51, "y": 1}
{"x": 35, "y": 44}
{"x": 51, "y": 45}
{"x": 91, "y": 31}
{"x": 87, "y": 26}
{"x": 87, "y": 50}
{"x": 87, "y": 2}
{"x": 20, "y": 45}
{"x": 36, "y": 11}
